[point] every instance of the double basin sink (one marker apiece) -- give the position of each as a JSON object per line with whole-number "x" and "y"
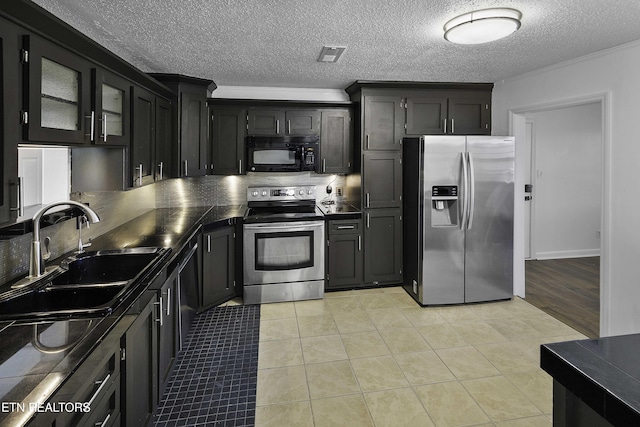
{"x": 90, "y": 283}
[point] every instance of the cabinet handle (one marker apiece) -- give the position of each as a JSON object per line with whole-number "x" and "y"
{"x": 159, "y": 304}
{"x": 102, "y": 384}
{"x": 91, "y": 125}
{"x": 346, "y": 227}
{"x": 277, "y": 126}
{"x": 104, "y": 128}
{"x": 19, "y": 198}
{"x": 368, "y": 200}
{"x": 161, "y": 167}
{"x": 453, "y": 127}
{"x": 368, "y": 221}
{"x": 186, "y": 168}
{"x": 366, "y": 142}
{"x": 239, "y": 166}
{"x": 168, "y": 302}
{"x": 288, "y": 126}
{"x": 445, "y": 125}
{"x": 324, "y": 165}
{"x": 140, "y": 169}
{"x": 209, "y": 243}
{"x": 359, "y": 243}
{"x": 104, "y": 422}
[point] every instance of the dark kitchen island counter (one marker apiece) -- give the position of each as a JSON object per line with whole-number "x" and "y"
{"x": 37, "y": 357}
{"x": 596, "y": 382}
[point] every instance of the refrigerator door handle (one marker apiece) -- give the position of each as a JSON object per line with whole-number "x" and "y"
{"x": 465, "y": 183}
{"x": 472, "y": 191}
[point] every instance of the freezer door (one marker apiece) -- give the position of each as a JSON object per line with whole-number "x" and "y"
{"x": 489, "y": 237}
{"x": 442, "y": 274}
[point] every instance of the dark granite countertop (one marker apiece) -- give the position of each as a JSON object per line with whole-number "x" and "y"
{"x": 37, "y": 357}
{"x": 604, "y": 373}
{"x": 340, "y": 210}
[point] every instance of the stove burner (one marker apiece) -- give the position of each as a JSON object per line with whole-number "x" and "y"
{"x": 271, "y": 204}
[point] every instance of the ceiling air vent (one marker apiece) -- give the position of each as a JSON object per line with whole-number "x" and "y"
{"x": 330, "y": 54}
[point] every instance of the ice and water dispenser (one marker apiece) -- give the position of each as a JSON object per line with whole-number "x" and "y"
{"x": 444, "y": 206}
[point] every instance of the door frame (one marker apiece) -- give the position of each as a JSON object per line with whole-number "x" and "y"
{"x": 530, "y": 162}
{"x": 517, "y": 127}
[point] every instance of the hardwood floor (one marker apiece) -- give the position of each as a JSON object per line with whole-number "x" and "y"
{"x": 567, "y": 289}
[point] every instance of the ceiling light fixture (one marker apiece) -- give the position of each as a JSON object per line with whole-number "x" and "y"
{"x": 482, "y": 26}
{"x": 330, "y": 54}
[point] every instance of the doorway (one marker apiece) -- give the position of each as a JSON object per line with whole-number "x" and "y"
{"x": 562, "y": 216}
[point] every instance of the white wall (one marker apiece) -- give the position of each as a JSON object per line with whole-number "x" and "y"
{"x": 280, "y": 93}
{"x": 567, "y": 181}
{"x": 613, "y": 77}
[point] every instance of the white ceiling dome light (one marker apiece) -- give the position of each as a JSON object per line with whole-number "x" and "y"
{"x": 482, "y": 26}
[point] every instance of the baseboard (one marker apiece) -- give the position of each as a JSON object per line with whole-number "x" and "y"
{"x": 567, "y": 254}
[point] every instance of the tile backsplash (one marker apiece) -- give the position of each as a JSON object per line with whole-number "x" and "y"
{"x": 117, "y": 207}
{"x": 232, "y": 190}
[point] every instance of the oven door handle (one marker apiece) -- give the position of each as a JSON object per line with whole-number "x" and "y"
{"x": 297, "y": 226}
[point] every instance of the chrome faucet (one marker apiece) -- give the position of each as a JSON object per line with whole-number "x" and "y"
{"x": 36, "y": 263}
{"x": 82, "y": 220}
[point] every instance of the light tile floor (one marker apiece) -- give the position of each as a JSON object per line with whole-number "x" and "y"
{"x": 375, "y": 358}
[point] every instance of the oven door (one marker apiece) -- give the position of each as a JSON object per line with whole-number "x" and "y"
{"x": 281, "y": 252}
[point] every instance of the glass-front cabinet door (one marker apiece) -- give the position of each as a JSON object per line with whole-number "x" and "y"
{"x": 58, "y": 94}
{"x": 110, "y": 112}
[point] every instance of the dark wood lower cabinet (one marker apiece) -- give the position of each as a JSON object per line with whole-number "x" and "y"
{"x": 168, "y": 330}
{"x": 140, "y": 365}
{"x": 218, "y": 266}
{"x": 344, "y": 254}
{"x": 383, "y": 246}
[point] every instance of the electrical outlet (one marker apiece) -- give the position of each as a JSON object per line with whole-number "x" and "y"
{"x": 339, "y": 191}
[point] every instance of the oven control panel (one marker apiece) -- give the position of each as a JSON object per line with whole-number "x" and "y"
{"x": 274, "y": 194}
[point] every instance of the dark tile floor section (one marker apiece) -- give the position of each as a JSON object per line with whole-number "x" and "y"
{"x": 215, "y": 377}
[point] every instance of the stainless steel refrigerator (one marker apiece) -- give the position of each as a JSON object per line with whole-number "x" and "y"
{"x": 458, "y": 218}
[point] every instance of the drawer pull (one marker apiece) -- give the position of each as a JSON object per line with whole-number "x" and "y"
{"x": 346, "y": 227}
{"x": 104, "y": 422}
{"x": 102, "y": 384}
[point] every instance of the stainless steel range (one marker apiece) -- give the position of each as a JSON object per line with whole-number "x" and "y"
{"x": 283, "y": 245}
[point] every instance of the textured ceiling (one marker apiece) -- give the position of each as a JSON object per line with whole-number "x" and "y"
{"x": 277, "y": 42}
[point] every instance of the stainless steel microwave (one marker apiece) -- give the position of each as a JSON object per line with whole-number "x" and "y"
{"x": 282, "y": 153}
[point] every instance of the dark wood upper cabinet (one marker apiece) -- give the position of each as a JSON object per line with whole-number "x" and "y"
{"x": 266, "y": 122}
{"x": 272, "y": 122}
{"x": 194, "y": 140}
{"x": 164, "y": 153}
{"x": 302, "y": 122}
{"x": 9, "y": 129}
{"x": 191, "y": 123}
{"x": 451, "y": 113}
{"x": 426, "y": 115}
{"x": 470, "y": 114}
{"x": 228, "y": 127}
{"x": 383, "y": 126}
{"x": 336, "y": 141}
{"x": 57, "y": 93}
{"x": 142, "y": 154}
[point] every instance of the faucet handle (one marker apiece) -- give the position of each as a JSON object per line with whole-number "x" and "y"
{"x": 46, "y": 254}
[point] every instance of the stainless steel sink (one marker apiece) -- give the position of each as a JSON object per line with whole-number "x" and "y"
{"x": 91, "y": 283}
